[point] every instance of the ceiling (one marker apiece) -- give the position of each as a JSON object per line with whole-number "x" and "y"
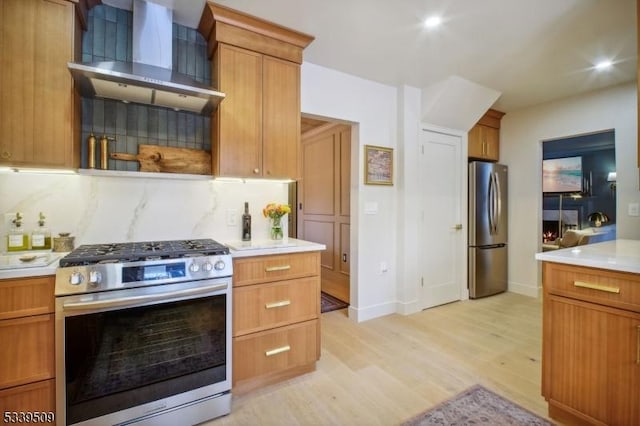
{"x": 530, "y": 51}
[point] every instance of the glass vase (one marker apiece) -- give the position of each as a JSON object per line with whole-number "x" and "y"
{"x": 276, "y": 228}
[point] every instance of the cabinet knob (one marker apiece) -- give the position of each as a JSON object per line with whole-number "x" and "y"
{"x": 5, "y": 155}
{"x": 256, "y": 171}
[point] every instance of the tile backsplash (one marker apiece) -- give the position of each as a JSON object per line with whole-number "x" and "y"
{"x": 108, "y": 38}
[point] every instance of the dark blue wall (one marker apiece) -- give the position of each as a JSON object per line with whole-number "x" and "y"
{"x": 598, "y": 159}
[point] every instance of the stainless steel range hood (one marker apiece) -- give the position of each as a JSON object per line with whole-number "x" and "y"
{"x": 149, "y": 79}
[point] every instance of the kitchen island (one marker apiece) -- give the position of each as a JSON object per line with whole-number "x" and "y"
{"x": 591, "y": 333}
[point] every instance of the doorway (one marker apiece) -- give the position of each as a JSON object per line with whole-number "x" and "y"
{"x": 590, "y": 205}
{"x": 323, "y": 209}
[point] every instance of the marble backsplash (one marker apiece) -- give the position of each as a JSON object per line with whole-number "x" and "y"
{"x": 99, "y": 209}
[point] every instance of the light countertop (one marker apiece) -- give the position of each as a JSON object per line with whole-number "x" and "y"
{"x": 615, "y": 255}
{"x": 44, "y": 264}
{"x": 267, "y": 247}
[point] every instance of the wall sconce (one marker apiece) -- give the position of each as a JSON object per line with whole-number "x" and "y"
{"x": 598, "y": 218}
{"x": 611, "y": 178}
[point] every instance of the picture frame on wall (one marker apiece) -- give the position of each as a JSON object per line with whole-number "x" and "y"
{"x": 378, "y": 166}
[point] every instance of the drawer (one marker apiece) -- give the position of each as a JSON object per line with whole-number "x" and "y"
{"x": 30, "y": 355}
{"x": 615, "y": 289}
{"x": 259, "y": 269}
{"x": 20, "y": 297}
{"x": 37, "y": 397}
{"x": 275, "y": 350}
{"x": 263, "y": 306}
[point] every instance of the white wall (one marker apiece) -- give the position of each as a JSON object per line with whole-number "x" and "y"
{"x": 115, "y": 209}
{"x": 521, "y": 134}
{"x": 373, "y": 106}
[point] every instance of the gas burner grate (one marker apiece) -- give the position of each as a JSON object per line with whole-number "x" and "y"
{"x": 139, "y": 251}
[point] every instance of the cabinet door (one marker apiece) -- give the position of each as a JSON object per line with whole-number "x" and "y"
{"x": 35, "y": 397}
{"x": 36, "y": 88}
{"x": 20, "y": 297}
{"x": 491, "y": 138}
{"x": 591, "y": 360}
{"x": 475, "y": 142}
{"x": 29, "y": 357}
{"x": 281, "y": 118}
{"x": 238, "y": 122}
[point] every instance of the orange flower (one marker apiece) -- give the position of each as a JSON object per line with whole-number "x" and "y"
{"x": 275, "y": 211}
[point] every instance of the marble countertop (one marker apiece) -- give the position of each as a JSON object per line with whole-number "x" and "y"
{"x": 45, "y": 263}
{"x": 267, "y": 247}
{"x": 615, "y": 255}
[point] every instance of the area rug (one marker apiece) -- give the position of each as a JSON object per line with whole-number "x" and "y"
{"x": 477, "y": 406}
{"x": 329, "y": 303}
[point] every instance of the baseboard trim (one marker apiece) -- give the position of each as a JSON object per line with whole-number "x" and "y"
{"x": 371, "y": 312}
{"x": 525, "y": 290}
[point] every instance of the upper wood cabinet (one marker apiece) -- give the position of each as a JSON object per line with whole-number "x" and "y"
{"x": 256, "y": 128}
{"x": 39, "y": 111}
{"x": 484, "y": 137}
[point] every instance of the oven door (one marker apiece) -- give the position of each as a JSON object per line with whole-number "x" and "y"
{"x": 125, "y": 354}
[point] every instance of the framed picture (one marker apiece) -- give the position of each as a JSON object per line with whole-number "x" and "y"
{"x": 378, "y": 167}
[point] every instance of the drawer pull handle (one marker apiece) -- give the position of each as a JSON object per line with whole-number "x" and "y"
{"x": 597, "y": 287}
{"x": 278, "y": 268}
{"x": 277, "y": 351}
{"x": 638, "y": 345}
{"x": 278, "y": 304}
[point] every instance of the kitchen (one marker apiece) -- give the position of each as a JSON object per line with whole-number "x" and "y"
{"x": 90, "y": 210}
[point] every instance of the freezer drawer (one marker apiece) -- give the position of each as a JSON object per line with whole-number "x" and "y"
{"x": 487, "y": 270}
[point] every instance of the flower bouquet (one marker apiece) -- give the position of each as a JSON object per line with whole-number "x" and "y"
{"x": 275, "y": 212}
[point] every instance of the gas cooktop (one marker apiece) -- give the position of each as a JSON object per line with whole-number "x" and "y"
{"x": 92, "y": 254}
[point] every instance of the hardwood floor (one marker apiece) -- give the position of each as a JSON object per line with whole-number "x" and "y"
{"x": 386, "y": 370}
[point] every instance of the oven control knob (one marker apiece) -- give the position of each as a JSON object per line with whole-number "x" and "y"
{"x": 207, "y": 266}
{"x": 95, "y": 277}
{"x": 194, "y": 267}
{"x": 219, "y": 265}
{"x": 76, "y": 278}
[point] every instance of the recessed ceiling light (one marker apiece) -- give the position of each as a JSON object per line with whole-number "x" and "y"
{"x": 432, "y": 21}
{"x": 603, "y": 65}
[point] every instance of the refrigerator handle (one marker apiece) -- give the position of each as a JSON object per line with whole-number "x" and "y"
{"x": 491, "y": 204}
{"x": 498, "y": 210}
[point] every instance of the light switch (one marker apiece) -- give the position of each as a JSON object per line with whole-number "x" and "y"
{"x": 634, "y": 209}
{"x": 370, "y": 207}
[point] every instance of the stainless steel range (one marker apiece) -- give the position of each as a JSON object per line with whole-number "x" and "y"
{"x": 143, "y": 333}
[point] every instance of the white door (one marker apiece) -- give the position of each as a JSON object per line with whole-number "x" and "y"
{"x": 442, "y": 258}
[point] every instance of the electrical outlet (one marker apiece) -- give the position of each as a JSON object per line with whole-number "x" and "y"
{"x": 232, "y": 217}
{"x": 634, "y": 209}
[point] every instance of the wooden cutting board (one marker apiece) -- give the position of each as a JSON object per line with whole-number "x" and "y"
{"x": 155, "y": 158}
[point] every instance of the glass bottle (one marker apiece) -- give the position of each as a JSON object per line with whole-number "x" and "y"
{"x": 17, "y": 239}
{"x": 41, "y": 237}
{"x": 246, "y": 223}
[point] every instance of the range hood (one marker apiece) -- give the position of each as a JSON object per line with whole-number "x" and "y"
{"x": 149, "y": 79}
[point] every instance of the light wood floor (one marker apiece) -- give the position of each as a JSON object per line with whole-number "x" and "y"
{"x": 386, "y": 370}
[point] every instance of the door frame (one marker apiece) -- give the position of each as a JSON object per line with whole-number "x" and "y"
{"x": 462, "y": 257}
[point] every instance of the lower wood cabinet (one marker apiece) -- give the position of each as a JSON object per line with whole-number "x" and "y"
{"x": 27, "y": 362}
{"x": 591, "y": 348}
{"x": 276, "y": 311}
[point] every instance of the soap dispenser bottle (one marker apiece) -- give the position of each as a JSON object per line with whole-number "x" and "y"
{"x": 17, "y": 238}
{"x": 40, "y": 236}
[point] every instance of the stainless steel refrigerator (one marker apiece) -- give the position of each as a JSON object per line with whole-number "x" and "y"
{"x": 487, "y": 229}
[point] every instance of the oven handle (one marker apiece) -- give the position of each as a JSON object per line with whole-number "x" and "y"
{"x": 135, "y": 300}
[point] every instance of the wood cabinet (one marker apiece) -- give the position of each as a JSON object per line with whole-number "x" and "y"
{"x": 27, "y": 370}
{"x": 591, "y": 345}
{"x": 276, "y": 311}
{"x": 484, "y": 137}
{"x": 256, "y": 128}
{"x": 39, "y": 111}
